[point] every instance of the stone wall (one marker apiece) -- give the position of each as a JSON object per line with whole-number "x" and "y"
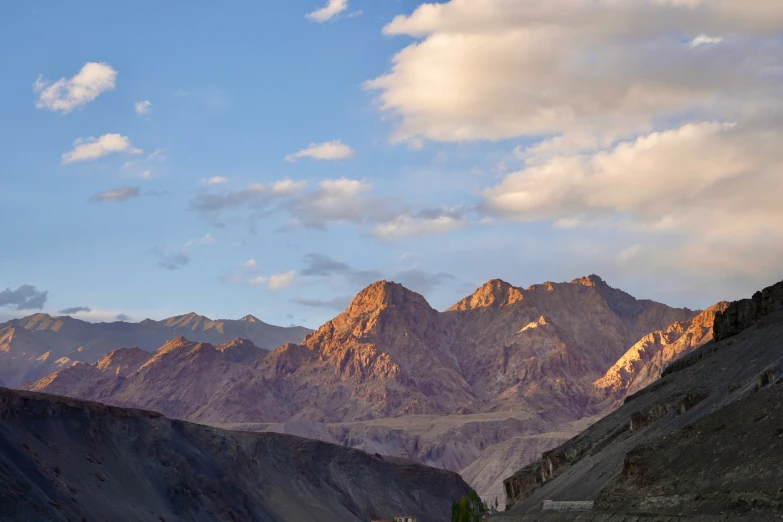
{"x": 742, "y": 314}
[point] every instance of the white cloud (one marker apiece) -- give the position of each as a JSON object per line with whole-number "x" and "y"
{"x": 274, "y": 282}
{"x": 146, "y": 174}
{"x": 143, "y": 107}
{"x": 699, "y": 199}
{"x": 330, "y": 150}
{"x": 94, "y": 148}
{"x": 705, "y": 40}
{"x": 495, "y": 69}
{"x": 326, "y": 13}
{"x": 66, "y": 94}
{"x": 214, "y": 180}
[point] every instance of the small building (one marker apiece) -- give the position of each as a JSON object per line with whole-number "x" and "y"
{"x": 404, "y": 519}
{"x": 567, "y": 505}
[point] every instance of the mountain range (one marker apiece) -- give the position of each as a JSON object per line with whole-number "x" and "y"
{"x": 503, "y": 363}
{"x": 35, "y": 346}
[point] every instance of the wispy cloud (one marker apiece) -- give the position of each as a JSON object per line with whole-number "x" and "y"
{"x": 94, "y": 148}
{"x": 338, "y": 303}
{"x": 119, "y": 194}
{"x": 207, "y": 239}
{"x": 75, "y": 310}
{"x": 328, "y": 151}
{"x": 26, "y": 297}
{"x": 320, "y": 265}
{"x": 66, "y": 94}
{"x": 329, "y": 11}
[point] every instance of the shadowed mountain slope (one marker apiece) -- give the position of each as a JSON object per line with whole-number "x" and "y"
{"x": 65, "y": 459}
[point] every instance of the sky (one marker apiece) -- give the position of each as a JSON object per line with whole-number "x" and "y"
{"x": 274, "y": 158}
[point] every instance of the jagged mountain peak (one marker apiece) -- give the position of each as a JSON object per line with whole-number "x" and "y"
{"x": 123, "y": 360}
{"x": 250, "y": 319}
{"x": 590, "y": 280}
{"x": 176, "y": 343}
{"x": 385, "y": 294}
{"x": 493, "y": 293}
{"x": 189, "y": 320}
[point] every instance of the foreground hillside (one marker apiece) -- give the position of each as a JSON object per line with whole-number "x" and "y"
{"x": 35, "y": 346}
{"x": 706, "y": 439}
{"x": 65, "y": 459}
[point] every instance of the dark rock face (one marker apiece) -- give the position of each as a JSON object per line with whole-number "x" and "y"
{"x": 742, "y": 314}
{"x": 65, "y": 459}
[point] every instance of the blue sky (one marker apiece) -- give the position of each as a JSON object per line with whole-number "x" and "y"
{"x": 436, "y": 176}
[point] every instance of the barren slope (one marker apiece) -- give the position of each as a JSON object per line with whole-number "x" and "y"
{"x": 65, "y": 459}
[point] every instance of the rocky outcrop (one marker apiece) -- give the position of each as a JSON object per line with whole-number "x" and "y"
{"x": 742, "y": 314}
{"x": 645, "y": 361}
{"x": 65, "y": 459}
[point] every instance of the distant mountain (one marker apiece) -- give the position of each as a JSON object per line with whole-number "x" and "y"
{"x": 390, "y": 353}
{"x": 64, "y": 459}
{"x": 35, "y": 346}
{"x": 177, "y": 378}
{"x": 705, "y": 439}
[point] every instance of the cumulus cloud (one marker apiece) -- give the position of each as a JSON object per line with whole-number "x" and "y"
{"x": 330, "y": 151}
{"x": 94, "y": 148}
{"x": 700, "y": 199}
{"x": 66, "y": 94}
{"x": 274, "y": 282}
{"x": 495, "y": 69}
{"x": 122, "y": 317}
{"x": 329, "y": 11}
{"x": 120, "y": 194}
{"x": 143, "y": 108}
{"x": 75, "y": 310}
{"x": 26, "y": 297}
